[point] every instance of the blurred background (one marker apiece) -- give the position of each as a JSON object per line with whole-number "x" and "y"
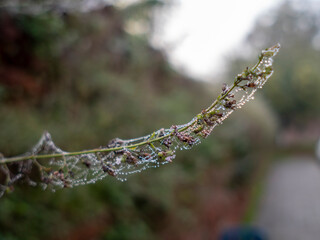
{"x": 89, "y": 71}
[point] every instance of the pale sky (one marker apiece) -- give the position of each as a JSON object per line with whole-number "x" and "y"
{"x": 200, "y": 34}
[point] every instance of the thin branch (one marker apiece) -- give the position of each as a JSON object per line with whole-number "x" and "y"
{"x": 220, "y": 98}
{"x": 59, "y": 169}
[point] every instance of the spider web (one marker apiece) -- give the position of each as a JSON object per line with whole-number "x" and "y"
{"x": 125, "y": 157}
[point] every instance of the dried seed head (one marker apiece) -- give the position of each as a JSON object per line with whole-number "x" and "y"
{"x": 167, "y": 142}
{"x": 251, "y": 85}
{"x": 224, "y": 87}
{"x": 109, "y": 170}
{"x": 231, "y": 104}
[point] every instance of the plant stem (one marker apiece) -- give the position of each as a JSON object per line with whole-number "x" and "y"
{"x": 221, "y": 97}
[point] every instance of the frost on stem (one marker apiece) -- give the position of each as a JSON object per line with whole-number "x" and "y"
{"x": 50, "y": 167}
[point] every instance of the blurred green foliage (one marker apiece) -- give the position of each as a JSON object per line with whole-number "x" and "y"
{"x": 86, "y": 80}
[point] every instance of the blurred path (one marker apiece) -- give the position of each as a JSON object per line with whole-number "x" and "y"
{"x": 290, "y": 206}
